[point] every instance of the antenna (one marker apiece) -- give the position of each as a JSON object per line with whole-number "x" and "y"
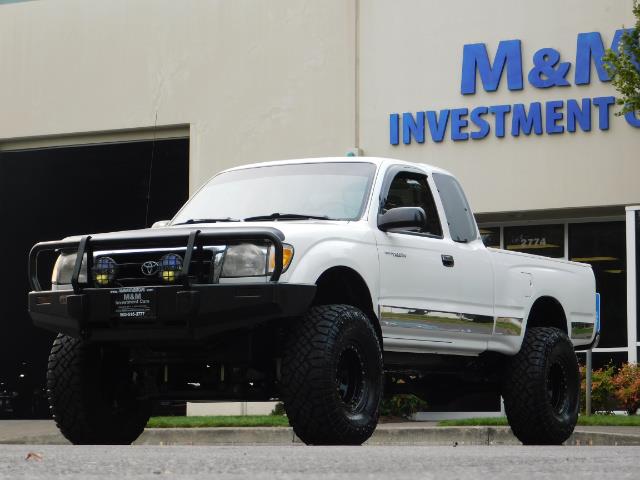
{"x": 153, "y": 151}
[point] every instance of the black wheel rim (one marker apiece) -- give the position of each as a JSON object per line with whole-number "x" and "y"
{"x": 350, "y": 379}
{"x": 557, "y": 388}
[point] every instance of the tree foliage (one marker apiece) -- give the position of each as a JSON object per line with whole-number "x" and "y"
{"x": 623, "y": 66}
{"x": 603, "y": 391}
{"x": 402, "y": 405}
{"x": 627, "y": 384}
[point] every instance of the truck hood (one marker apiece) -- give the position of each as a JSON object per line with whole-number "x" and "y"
{"x": 283, "y": 229}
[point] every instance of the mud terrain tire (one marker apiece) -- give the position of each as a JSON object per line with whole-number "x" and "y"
{"x": 542, "y": 388}
{"x": 332, "y": 376}
{"x": 92, "y": 395}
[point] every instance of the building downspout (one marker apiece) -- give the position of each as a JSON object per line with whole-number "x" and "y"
{"x": 632, "y": 334}
{"x": 356, "y": 143}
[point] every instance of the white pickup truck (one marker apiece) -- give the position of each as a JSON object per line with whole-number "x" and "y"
{"x": 321, "y": 282}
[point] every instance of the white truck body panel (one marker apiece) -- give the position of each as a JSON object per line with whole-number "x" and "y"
{"x": 521, "y": 279}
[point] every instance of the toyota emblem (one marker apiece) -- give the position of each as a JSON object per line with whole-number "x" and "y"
{"x": 149, "y": 268}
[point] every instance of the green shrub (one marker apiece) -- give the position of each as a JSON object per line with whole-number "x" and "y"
{"x": 603, "y": 398}
{"x": 278, "y": 409}
{"x": 627, "y": 387}
{"x": 402, "y": 405}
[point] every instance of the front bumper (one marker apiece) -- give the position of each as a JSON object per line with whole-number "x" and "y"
{"x": 171, "y": 313}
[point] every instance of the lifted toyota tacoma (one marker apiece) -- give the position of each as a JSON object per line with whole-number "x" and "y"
{"x": 320, "y": 282}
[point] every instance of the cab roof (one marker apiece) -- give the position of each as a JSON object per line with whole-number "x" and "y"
{"x": 378, "y": 161}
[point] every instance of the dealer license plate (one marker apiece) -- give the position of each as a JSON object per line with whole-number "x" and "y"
{"x": 133, "y": 302}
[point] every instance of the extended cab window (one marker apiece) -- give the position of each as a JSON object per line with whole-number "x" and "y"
{"x": 462, "y": 226}
{"x": 410, "y": 189}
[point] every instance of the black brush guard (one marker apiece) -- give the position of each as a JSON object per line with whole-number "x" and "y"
{"x": 186, "y": 310}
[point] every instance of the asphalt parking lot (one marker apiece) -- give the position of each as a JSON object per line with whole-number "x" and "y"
{"x": 297, "y": 461}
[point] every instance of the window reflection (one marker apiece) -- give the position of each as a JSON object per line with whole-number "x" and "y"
{"x": 490, "y": 236}
{"x": 546, "y": 240}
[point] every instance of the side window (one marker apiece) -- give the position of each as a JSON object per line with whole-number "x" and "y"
{"x": 412, "y": 190}
{"x": 461, "y": 223}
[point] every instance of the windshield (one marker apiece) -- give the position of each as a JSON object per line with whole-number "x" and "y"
{"x": 335, "y": 191}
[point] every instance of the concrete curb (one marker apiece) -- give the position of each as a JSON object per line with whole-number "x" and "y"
{"x": 383, "y": 436}
{"x": 49, "y": 439}
{"x": 217, "y": 436}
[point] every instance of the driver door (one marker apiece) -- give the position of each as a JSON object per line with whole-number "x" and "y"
{"x": 420, "y": 286}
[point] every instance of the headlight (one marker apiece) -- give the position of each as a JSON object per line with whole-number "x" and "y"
{"x": 63, "y": 269}
{"x": 245, "y": 260}
{"x": 250, "y": 260}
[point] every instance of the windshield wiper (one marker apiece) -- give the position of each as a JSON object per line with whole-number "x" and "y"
{"x": 286, "y": 216}
{"x": 207, "y": 220}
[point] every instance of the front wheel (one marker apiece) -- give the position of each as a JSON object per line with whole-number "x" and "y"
{"x": 93, "y": 394}
{"x": 542, "y": 388}
{"x": 332, "y": 376}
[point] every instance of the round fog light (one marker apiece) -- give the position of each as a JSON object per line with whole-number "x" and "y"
{"x": 104, "y": 271}
{"x": 170, "y": 267}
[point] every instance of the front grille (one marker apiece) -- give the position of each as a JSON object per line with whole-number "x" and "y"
{"x": 137, "y": 268}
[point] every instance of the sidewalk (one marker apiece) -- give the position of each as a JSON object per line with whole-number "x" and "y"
{"x": 40, "y": 432}
{"x": 37, "y": 432}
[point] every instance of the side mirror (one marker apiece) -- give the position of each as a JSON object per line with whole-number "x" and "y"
{"x": 402, "y": 217}
{"x": 160, "y": 223}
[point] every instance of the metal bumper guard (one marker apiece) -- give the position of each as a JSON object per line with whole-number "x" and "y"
{"x": 189, "y": 310}
{"x": 197, "y": 313}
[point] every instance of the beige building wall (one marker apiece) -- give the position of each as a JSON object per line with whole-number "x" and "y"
{"x": 253, "y": 80}
{"x": 411, "y": 59}
{"x": 260, "y": 80}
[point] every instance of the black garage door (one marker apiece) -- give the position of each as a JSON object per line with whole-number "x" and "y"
{"x": 47, "y": 194}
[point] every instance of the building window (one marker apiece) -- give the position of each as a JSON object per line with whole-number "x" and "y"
{"x": 603, "y": 359}
{"x": 547, "y": 240}
{"x": 490, "y": 236}
{"x": 603, "y": 246}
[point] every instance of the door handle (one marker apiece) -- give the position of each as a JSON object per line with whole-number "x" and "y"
{"x": 447, "y": 260}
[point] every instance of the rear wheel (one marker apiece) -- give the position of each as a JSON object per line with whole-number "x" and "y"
{"x": 542, "y": 387}
{"x": 332, "y": 376}
{"x": 92, "y": 393}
